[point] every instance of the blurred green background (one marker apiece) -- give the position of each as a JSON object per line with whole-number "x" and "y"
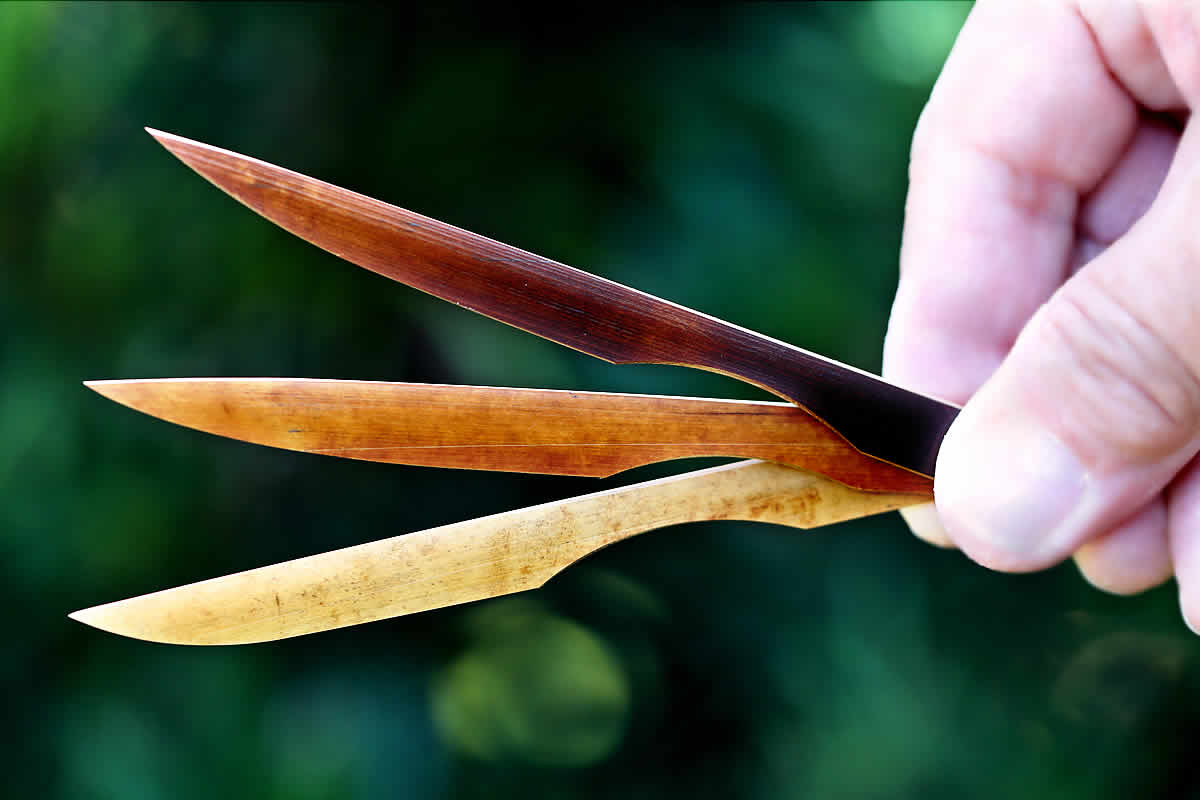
{"x": 748, "y": 162}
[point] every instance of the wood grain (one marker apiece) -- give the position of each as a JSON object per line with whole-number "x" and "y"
{"x": 466, "y": 561}
{"x": 572, "y": 307}
{"x": 513, "y": 430}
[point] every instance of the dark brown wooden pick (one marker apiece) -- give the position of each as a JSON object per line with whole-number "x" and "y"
{"x": 575, "y": 308}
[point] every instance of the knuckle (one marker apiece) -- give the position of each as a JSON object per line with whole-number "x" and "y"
{"x": 1176, "y": 27}
{"x": 1129, "y": 387}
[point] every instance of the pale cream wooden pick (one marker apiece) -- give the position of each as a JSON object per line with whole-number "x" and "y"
{"x": 465, "y": 561}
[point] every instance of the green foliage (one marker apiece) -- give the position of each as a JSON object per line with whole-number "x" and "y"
{"x": 534, "y": 688}
{"x": 748, "y": 162}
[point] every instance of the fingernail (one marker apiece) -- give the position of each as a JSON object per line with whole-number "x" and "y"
{"x": 924, "y": 522}
{"x": 1006, "y": 490}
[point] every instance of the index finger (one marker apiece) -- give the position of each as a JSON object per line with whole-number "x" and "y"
{"x": 1025, "y": 120}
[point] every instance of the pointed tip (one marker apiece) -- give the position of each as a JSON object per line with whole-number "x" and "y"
{"x": 115, "y": 619}
{"x": 146, "y": 396}
{"x": 161, "y": 136}
{"x": 181, "y": 147}
{"x": 86, "y": 616}
{"x": 105, "y": 388}
{"x": 224, "y": 168}
{"x": 147, "y": 619}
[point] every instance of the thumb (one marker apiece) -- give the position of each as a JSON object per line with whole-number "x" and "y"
{"x": 1095, "y": 409}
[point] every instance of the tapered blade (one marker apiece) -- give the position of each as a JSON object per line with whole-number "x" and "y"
{"x": 466, "y": 561}
{"x": 514, "y": 430}
{"x": 574, "y": 308}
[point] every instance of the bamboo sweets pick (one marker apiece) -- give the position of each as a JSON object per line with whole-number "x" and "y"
{"x": 514, "y": 430}
{"x": 458, "y": 563}
{"x": 575, "y": 308}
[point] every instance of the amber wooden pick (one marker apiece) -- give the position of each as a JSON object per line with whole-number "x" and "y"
{"x": 575, "y": 308}
{"x": 466, "y": 561}
{"x": 513, "y": 430}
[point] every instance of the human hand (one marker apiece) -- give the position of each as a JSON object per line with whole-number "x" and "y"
{"x": 1050, "y": 280}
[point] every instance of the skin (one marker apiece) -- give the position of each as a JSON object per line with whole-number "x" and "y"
{"x": 1050, "y": 282}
